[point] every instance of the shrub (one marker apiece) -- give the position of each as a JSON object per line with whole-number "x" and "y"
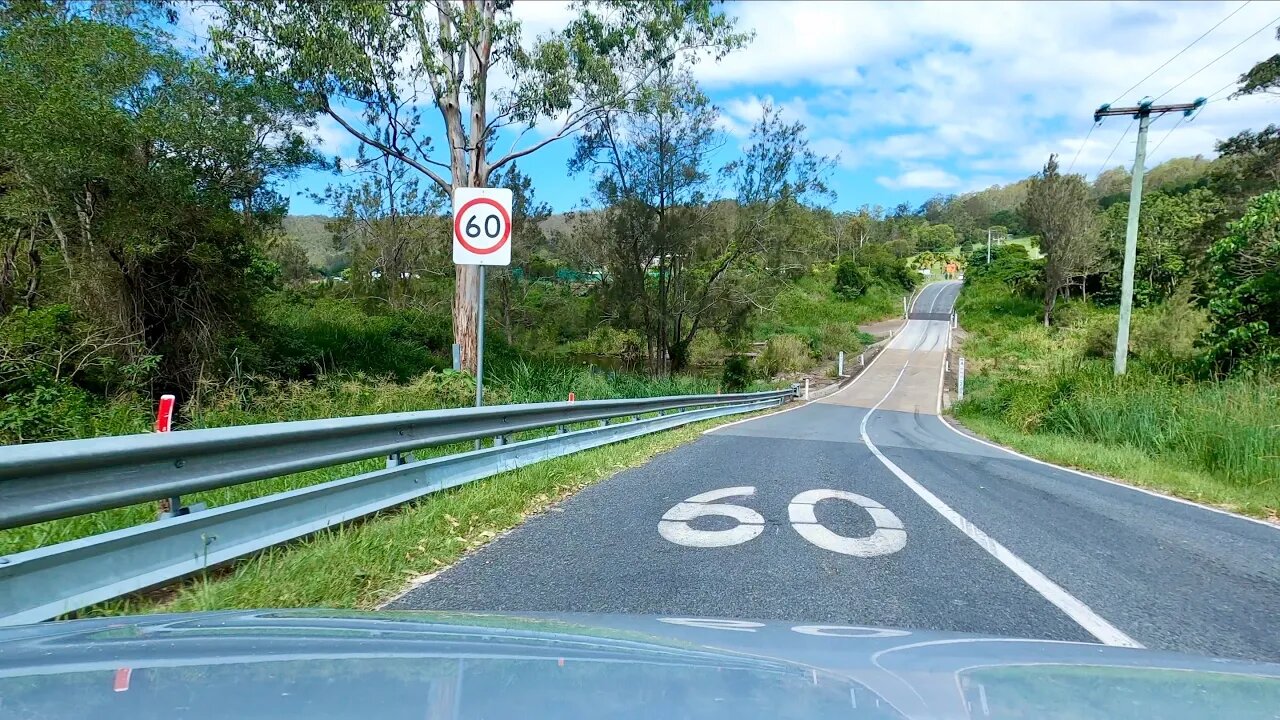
{"x": 707, "y": 349}
{"x": 851, "y": 280}
{"x": 784, "y": 353}
{"x": 1100, "y": 338}
{"x": 1167, "y": 335}
{"x": 887, "y": 269}
{"x": 737, "y": 373}
{"x": 607, "y": 340}
{"x": 1244, "y": 304}
{"x": 836, "y": 337}
{"x": 299, "y": 337}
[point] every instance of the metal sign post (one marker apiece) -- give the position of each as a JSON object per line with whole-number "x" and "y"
{"x": 481, "y": 236}
{"x": 480, "y": 345}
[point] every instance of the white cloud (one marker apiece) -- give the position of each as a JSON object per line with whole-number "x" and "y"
{"x": 921, "y": 179}
{"x": 990, "y": 89}
{"x": 330, "y": 138}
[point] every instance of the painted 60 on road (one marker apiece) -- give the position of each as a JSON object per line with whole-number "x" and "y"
{"x": 889, "y": 536}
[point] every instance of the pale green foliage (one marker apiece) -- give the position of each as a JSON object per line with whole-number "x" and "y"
{"x": 784, "y": 354}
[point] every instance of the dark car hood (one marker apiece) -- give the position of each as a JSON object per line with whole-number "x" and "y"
{"x": 325, "y": 664}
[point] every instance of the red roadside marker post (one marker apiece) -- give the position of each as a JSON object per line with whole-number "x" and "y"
{"x": 171, "y": 506}
{"x": 167, "y": 507}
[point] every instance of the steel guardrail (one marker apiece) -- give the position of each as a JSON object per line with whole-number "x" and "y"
{"x": 47, "y": 481}
{"x": 51, "y": 581}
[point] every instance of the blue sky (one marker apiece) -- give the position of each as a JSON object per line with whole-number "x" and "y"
{"x": 925, "y": 98}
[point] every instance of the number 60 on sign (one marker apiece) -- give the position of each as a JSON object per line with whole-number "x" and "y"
{"x": 482, "y": 226}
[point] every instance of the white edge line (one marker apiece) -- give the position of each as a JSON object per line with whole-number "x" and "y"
{"x": 1082, "y": 614}
{"x": 942, "y": 372}
{"x": 1091, "y": 476}
{"x": 1109, "y": 481}
{"x": 915, "y": 300}
{"x": 708, "y": 431}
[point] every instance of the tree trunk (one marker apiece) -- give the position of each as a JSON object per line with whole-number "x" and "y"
{"x": 469, "y": 166}
{"x": 33, "y": 282}
{"x": 507, "y": 280}
{"x": 8, "y": 271}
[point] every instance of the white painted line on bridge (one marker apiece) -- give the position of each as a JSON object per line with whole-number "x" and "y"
{"x": 1082, "y": 614}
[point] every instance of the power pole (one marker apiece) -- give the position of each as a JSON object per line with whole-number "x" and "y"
{"x": 1142, "y": 112}
{"x": 988, "y": 246}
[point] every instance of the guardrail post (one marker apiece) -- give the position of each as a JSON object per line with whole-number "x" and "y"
{"x": 604, "y": 423}
{"x": 397, "y": 459}
{"x": 960, "y": 381}
{"x": 560, "y": 429}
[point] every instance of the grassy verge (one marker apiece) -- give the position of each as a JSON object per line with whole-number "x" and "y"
{"x": 1129, "y": 465}
{"x": 365, "y": 564}
{"x": 1050, "y": 392}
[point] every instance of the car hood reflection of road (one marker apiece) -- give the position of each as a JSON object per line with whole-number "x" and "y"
{"x": 321, "y": 664}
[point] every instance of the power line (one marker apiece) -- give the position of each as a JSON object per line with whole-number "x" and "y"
{"x": 1233, "y": 48}
{"x": 1213, "y": 97}
{"x": 1175, "y": 55}
{"x": 1082, "y": 144}
{"x": 1166, "y": 135}
{"x": 1117, "y": 147}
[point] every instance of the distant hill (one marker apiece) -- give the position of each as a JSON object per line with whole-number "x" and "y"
{"x": 310, "y": 233}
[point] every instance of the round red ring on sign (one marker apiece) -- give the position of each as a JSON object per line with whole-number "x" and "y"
{"x": 457, "y": 226}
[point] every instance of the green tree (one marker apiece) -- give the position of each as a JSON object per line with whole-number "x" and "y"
{"x": 1060, "y": 210}
{"x": 136, "y": 180}
{"x": 1244, "y": 301}
{"x": 851, "y": 280}
{"x": 1264, "y": 77}
{"x": 1111, "y": 185}
{"x": 392, "y": 227}
{"x": 934, "y": 238}
{"x": 528, "y": 244}
{"x": 1171, "y": 234}
{"x": 1249, "y": 162}
{"x": 367, "y": 65}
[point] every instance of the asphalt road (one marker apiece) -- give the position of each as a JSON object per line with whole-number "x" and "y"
{"x": 935, "y": 530}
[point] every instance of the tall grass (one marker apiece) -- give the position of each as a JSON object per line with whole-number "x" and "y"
{"x": 544, "y": 381}
{"x": 1049, "y": 382}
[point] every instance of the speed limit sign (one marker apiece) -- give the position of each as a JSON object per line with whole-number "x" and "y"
{"x": 482, "y": 226}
